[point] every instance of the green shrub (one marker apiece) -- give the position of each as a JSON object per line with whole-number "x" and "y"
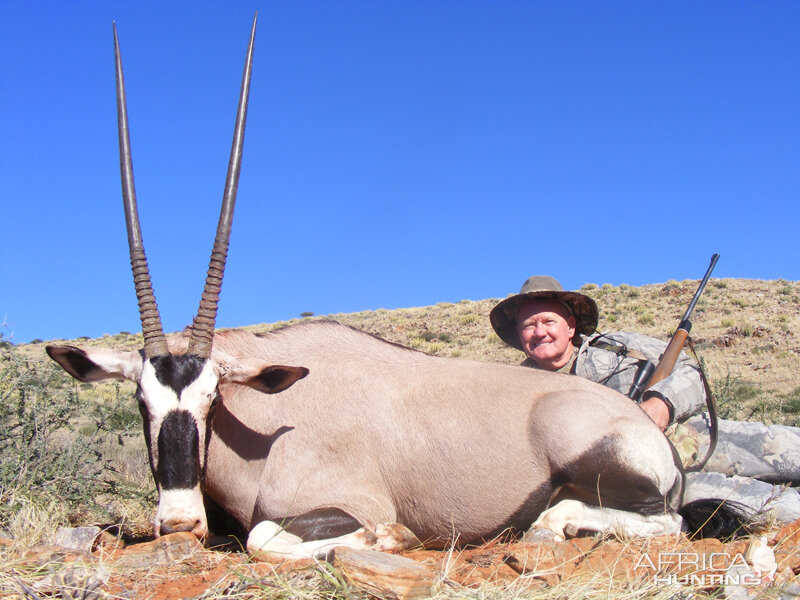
{"x": 670, "y": 288}
{"x": 731, "y": 394}
{"x": 49, "y": 440}
{"x": 427, "y": 335}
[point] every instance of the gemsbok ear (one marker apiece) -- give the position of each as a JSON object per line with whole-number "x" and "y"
{"x": 97, "y": 364}
{"x": 269, "y": 380}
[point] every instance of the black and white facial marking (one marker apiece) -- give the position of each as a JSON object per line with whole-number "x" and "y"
{"x": 176, "y": 394}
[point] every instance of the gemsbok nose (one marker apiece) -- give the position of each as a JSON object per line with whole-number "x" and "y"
{"x": 178, "y": 525}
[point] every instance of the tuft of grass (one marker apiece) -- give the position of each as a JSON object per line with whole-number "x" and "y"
{"x": 790, "y": 403}
{"x": 739, "y": 302}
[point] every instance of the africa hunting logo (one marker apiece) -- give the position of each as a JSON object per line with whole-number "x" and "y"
{"x": 712, "y": 569}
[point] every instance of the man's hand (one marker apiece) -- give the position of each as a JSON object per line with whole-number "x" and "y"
{"x": 657, "y": 410}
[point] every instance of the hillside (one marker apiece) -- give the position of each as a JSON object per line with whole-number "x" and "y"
{"x": 746, "y": 331}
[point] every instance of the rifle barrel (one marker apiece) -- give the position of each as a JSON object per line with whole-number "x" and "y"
{"x": 700, "y": 288}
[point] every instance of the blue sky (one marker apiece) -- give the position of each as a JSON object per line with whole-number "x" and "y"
{"x": 397, "y": 153}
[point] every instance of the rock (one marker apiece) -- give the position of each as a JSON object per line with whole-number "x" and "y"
{"x": 384, "y": 575}
{"x": 165, "y": 550}
{"x": 76, "y": 539}
{"x": 539, "y": 535}
{"x": 79, "y": 583}
{"x": 791, "y": 591}
{"x": 469, "y": 567}
{"x": 282, "y": 563}
{"x": 549, "y": 562}
{"x": 44, "y": 555}
{"x": 786, "y": 544}
{"x": 762, "y": 559}
{"x": 788, "y": 534}
{"x": 611, "y": 560}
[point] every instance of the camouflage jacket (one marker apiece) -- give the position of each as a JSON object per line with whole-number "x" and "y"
{"x": 683, "y": 390}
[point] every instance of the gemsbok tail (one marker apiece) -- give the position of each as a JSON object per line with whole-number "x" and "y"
{"x": 722, "y": 519}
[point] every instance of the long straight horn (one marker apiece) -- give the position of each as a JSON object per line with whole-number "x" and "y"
{"x": 203, "y": 328}
{"x": 155, "y": 343}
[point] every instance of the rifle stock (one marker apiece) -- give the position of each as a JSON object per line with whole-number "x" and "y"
{"x": 670, "y": 357}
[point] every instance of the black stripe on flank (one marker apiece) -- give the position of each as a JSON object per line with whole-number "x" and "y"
{"x": 321, "y": 524}
{"x": 177, "y": 372}
{"x": 178, "y": 451}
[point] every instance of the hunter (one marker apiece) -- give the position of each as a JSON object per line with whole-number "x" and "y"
{"x": 753, "y": 464}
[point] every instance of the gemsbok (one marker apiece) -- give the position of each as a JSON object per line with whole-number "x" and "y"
{"x": 362, "y": 434}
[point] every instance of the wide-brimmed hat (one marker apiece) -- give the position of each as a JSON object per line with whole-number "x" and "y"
{"x": 504, "y": 314}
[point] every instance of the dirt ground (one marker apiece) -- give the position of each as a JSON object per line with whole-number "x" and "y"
{"x": 178, "y": 566}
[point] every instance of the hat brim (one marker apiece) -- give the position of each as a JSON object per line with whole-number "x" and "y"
{"x": 502, "y": 317}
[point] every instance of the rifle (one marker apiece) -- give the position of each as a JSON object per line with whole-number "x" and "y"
{"x": 650, "y": 373}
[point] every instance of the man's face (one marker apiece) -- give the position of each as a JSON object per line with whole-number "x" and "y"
{"x": 545, "y": 328}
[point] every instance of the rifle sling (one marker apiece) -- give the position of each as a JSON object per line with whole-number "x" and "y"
{"x": 618, "y": 349}
{"x": 713, "y": 428}
{"x": 713, "y": 424}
